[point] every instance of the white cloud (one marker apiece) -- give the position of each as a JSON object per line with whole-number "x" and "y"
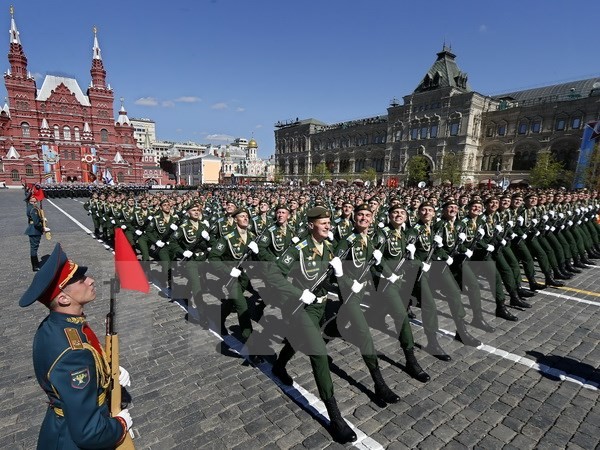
{"x": 240, "y": 109}
{"x": 146, "y": 101}
{"x": 258, "y": 126}
{"x": 483, "y": 28}
{"x": 221, "y": 105}
{"x": 168, "y": 103}
{"x": 37, "y": 76}
{"x": 219, "y": 137}
{"x": 188, "y": 99}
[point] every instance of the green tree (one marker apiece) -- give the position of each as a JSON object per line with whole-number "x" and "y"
{"x": 452, "y": 169}
{"x": 321, "y": 172}
{"x": 592, "y": 171}
{"x": 416, "y": 169}
{"x": 546, "y": 172}
{"x": 277, "y": 175}
{"x": 369, "y": 174}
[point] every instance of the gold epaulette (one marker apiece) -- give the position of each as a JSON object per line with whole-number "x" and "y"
{"x": 74, "y": 339}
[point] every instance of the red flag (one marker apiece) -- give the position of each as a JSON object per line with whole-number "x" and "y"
{"x": 37, "y": 191}
{"x": 128, "y": 268}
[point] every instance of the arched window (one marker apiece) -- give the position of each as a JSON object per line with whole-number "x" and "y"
{"x": 120, "y": 177}
{"x": 524, "y": 159}
{"x": 523, "y": 127}
{"x": 454, "y": 124}
{"x": 76, "y": 133}
{"x": 56, "y": 132}
{"x": 25, "y": 131}
{"x": 103, "y": 135}
{"x": 576, "y": 122}
{"x": 14, "y": 175}
{"x": 28, "y": 170}
{"x": 66, "y": 133}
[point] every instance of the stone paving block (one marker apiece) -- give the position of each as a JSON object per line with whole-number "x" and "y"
{"x": 489, "y": 443}
{"x": 411, "y": 438}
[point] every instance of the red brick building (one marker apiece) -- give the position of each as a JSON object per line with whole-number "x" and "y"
{"x": 58, "y": 133}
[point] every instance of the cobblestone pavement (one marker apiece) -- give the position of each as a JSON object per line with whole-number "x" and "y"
{"x": 532, "y": 385}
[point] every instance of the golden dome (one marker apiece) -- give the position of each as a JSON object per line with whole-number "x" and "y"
{"x": 252, "y": 144}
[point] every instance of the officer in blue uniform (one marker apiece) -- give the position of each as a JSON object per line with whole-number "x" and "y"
{"x": 69, "y": 362}
{"x": 34, "y": 230}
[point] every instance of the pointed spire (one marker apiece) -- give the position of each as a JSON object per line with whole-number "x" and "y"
{"x": 98, "y": 73}
{"x": 45, "y": 132}
{"x": 87, "y": 132}
{"x": 14, "y": 33}
{"x": 5, "y": 108}
{"x": 96, "y": 48}
{"x": 118, "y": 159}
{"x": 123, "y": 119}
{"x": 13, "y": 153}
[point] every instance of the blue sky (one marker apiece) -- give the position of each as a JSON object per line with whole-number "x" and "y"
{"x": 211, "y": 71}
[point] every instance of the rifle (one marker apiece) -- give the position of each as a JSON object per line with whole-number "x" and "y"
{"x": 111, "y": 348}
{"x": 328, "y": 272}
{"x": 47, "y": 234}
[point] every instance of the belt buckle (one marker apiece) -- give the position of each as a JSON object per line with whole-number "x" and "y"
{"x": 321, "y": 299}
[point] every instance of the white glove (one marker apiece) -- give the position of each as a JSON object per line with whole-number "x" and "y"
{"x": 330, "y": 235}
{"x": 469, "y": 253}
{"x": 113, "y": 221}
{"x": 235, "y": 272}
{"x": 377, "y": 255}
{"x": 307, "y": 297}
{"x": 138, "y": 232}
{"x": 481, "y": 232}
{"x": 490, "y": 248}
{"x": 426, "y": 267}
{"x": 336, "y": 263}
{"x": 123, "y": 227}
{"x": 160, "y": 244}
{"x": 520, "y": 220}
{"x": 499, "y": 228}
{"x": 514, "y": 235}
{"x": 295, "y": 239}
{"x": 187, "y": 254}
{"x": 553, "y": 213}
{"x": 546, "y": 228}
{"x": 510, "y": 223}
{"x": 450, "y": 260}
{"x": 206, "y": 223}
{"x": 173, "y": 227}
{"x": 462, "y": 237}
{"x": 570, "y": 222}
{"x": 570, "y": 213}
{"x": 150, "y": 217}
{"x": 524, "y": 236}
{"x": 393, "y": 278}
{"x": 46, "y": 229}
{"x": 438, "y": 240}
{"x": 578, "y": 211}
{"x": 552, "y": 229}
{"x": 205, "y": 235}
{"x": 561, "y": 215}
{"x": 562, "y": 227}
{"x": 537, "y": 233}
{"x": 254, "y": 247}
{"x": 586, "y": 219}
{"x": 545, "y": 217}
{"x": 503, "y": 242}
{"x": 411, "y": 249}
{"x": 356, "y": 286}
{"x": 579, "y": 222}
{"x": 124, "y": 378}
{"x": 534, "y": 221}
{"x": 124, "y": 414}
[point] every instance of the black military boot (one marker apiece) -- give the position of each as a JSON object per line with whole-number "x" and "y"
{"x": 413, "y": 368}
{"x": 535, "y": 286}
{"x": 279, "y": 371}
{"x": 550, "y": 281}
{"x": 339, "y": 429}
{"x": 558, "y": 275}
{"x": 462, "y": 335}
{"x": 525, "y": 293}
{"x": 571, "y": 268}
{"x": 563, "y": 268}
{"x": 479, "y": 322}
{"x": 503, "y": 313}
{"x": 577, "y": 262}
{"x": 518, "y": 302}
{"x": 35, "y": 263}
{"x": 434, "y": 349}
{"x": 586, "y": 261}
{"x": 382, "y": 391}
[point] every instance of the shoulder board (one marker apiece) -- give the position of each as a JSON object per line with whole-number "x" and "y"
{"x": 74, "y": 338}
{"x": 230, "y": 235}
{"x": 254, "y": 218}
{"x": 302, "y": 244}
{"x": 338, "y": 220}
{"x": 220, "y": 219}
{"x": 351, "y": 238}
{"x": 272, "y": 227}
{"x": 418, "y": 226}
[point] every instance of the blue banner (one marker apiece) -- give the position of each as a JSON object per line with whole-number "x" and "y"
{"x": 588, "y": 143}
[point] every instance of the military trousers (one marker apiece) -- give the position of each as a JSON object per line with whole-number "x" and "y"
{"x": 467, "y": 282}
{"x": 304, "y": 335}
{"x": 520, "y": 250}
{"x": 506, "y": 269}
{"x": 538, "y": 253}
{"x": 238, "y": 303}
{"x": 557, "y": 247}
{"x": 549, "y": 250}
{"x": 34, "y": 244}
{"x": 560, "y": 237}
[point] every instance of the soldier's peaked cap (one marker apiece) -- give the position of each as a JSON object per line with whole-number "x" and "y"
{"x": 362, "y": 207}
{"x": 240, "y": 211}
{"x": 318, "y": 212}
{"x": 52, "y": 277}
